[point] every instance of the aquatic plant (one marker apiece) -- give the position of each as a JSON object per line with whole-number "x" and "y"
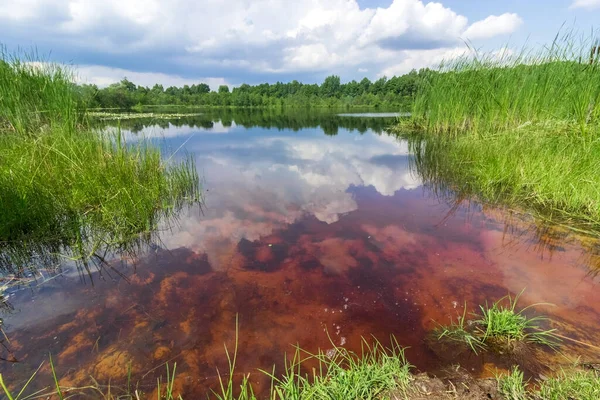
{"x": 461, "y": 332}
{"x": 499, "y": 326}
{"x": 35, "y": 96}
{"x": 551, "y": 175}
{"x": 505, "y": 325}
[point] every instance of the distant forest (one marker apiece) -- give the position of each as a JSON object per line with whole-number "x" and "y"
{"x": 397, "y": 92}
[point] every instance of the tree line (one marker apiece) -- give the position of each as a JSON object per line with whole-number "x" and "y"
{"x": 397, "y": 92}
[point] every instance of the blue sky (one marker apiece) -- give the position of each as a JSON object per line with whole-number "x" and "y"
{"x": 180, "y": 42}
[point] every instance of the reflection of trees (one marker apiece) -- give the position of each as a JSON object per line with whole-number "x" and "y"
{"x": 294, "y": 119}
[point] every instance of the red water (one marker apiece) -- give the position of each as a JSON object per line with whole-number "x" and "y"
{"x": 392, "y": 266}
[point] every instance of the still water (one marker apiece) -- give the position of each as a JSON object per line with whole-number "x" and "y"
{"x": 316, "y": 230}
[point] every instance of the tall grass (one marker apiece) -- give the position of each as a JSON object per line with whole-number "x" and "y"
{"x": 483, "y": 93}
{"x": 515, "y": 129}
{"x": 580, "y": 384}
{"x": 36, "y": 95}
{"x": 66, "y": 188}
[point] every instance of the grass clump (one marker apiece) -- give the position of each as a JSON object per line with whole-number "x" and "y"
{"x": 567, "y": 384}
{"x": 512, "y": 385}
{"x": 499, "y": 326}
{"x": 36, "y": 96}
{"x": 461, "y": 331}
{"x": 580, "y": 384}
{"x": 345, "y": 375}
{"x": 554, "y": 176}
{"x": 67, "y": 189}
{"x": 501, "y": 322}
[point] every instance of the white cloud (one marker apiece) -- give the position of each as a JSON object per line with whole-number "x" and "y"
{"x": 104, "y": 76}
{"x": 589, "y": 4}
{"x": 493, "y": 26}
{"x": 413, "y": 18}
{"x": 415, "y": 59}
{"x": 207, "y": 37}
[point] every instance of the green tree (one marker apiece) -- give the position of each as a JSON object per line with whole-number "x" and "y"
{"x": 331, "y": 86}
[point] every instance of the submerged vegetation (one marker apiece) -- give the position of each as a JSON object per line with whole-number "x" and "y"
{"x": 67, "y": 190}
{"x": 377, "y": 373}
{"x": 515, "y": 129}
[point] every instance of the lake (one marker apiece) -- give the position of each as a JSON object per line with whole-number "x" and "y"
{"x": 316, "y": 230}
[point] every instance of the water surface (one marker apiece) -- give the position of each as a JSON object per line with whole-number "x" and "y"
{"x": 314, "y": 230}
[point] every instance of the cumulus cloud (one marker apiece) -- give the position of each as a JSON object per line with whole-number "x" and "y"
{"x": 415, "y": 59}
{"x": 211, "y": 38}
{"x": 589, "y": 4}
{"x": 493, "y": 26}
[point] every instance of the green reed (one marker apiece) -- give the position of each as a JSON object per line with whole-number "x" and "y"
{"x": 486, "y": 93}
{"x": 518, "y": 129}
{"x": 67, "y": 189}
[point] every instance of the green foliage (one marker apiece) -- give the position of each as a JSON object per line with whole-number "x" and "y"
{"x": 502, "y": 322}
{"x": 499, "y": 326}
{"x": 512, "y": 386}
{"x": 340, "y": 374}
{"x": 551, "y": 174}
{"x": 294, "y": 119}
{"x": 460, "y": 332}
{"x": 567, "y": 384}
{"x": 580, "y": 385}
{"x": 519, "y": 130}
{"x": 68, "y": 189}
{"x": 394, "y": 92}
{"x": 35, "y": 95}
{"x": 345, "y": 375}
{"x": 482, "y": 94}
